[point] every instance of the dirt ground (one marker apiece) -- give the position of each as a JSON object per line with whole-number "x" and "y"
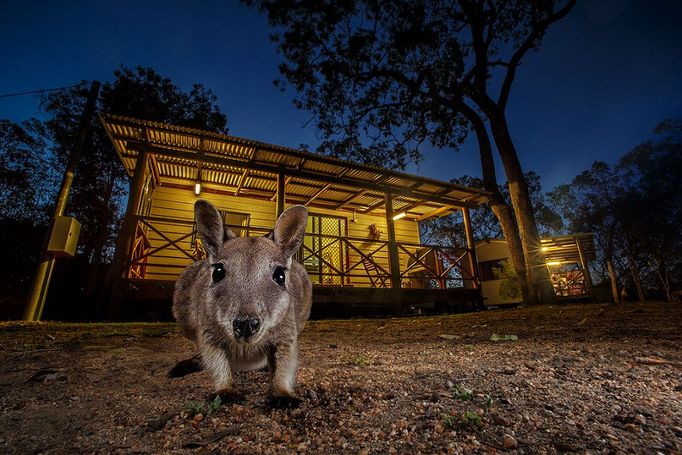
{"x": 579, "y": 378}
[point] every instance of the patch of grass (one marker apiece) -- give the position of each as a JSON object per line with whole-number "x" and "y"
{"x": 459, "y": 392}
{"x": 359, "y": 360}
{"x": 214, "y": 405}
{"x": 471, "y": 419}
{"x": 466, "y": 419}
{"x": 202, "y": 407}
{"x": 448, "y": 421}
{"x": 489, "y": 401}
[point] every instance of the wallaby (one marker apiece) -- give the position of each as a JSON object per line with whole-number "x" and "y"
{"x": 245, "y": 305}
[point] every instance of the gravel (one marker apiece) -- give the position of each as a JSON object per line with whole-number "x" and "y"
{"x": 579, "y": 378}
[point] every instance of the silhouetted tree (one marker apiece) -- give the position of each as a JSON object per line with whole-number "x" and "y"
{"x": 591, "y": 203}
{"x": 654, "y": 198}
{"x": 634, "y": 210}
{"x": 98, "y": 191}
{"x": 24, "y": 175}
{"x": 33, "y": 155}
{"x": 384, "y": 77}
{"x": 24, "y": 179}
{"x": 450, "y": 229}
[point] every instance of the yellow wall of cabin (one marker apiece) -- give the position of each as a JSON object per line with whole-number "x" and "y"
{"x": 178, "y": 204}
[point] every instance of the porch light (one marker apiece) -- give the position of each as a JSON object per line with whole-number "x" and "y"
{"x": 400, "y": 215}
{"x": 197, "y": 185}
{"x": 553, "y": 263}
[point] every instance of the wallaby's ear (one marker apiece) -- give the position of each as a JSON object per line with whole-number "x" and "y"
{"x": 290, "y": 229}
{"x": 210, "y": 227}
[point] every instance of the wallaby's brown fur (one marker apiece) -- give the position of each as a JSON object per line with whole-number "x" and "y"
{"x": 247, "y": 303}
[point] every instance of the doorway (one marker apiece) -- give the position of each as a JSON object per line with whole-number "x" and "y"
{"x": 324, "y": 252}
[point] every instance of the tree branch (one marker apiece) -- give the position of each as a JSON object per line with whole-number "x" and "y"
{"x": 538, "y": 30}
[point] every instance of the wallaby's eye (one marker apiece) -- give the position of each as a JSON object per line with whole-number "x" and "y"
{"x": 218, "y": 272}
{"x": 278, "y": 276}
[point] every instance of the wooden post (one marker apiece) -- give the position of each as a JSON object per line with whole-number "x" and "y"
{"x": 41, "y": 280}
{"x": 473, "y": 263}
{"x": 393, "y": 257}
{"x": 126, "y": 235}
{"x": 586, "y": 269}
{"x": 281, "y": 190}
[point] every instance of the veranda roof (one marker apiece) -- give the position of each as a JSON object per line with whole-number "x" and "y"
{"x": 561, "y": 250}
{"x": 232, "y": 165}
{"x": 565, "y": 249}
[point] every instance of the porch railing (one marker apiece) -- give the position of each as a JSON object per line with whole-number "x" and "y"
{"x": 164, "y": 246}
{"x": 568, "y": 284}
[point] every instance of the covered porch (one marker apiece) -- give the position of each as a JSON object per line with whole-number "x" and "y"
{"x": 362, "y": 245}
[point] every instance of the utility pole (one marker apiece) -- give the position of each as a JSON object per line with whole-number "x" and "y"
{"x": 41, "y": 280}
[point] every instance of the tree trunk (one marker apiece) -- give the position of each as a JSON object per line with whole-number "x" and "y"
{"x": 662, "y": 271}
{"x": 632, "y": 266}
{"x": 500, "y": 209}
{"x": 541, "y": 290}
{"x": 614, "y": 283}
{"x": 511, "y": 234}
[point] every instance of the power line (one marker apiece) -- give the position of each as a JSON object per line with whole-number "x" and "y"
{"x": 40, "y": 90}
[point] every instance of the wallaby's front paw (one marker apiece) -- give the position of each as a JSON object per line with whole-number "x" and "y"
{"x": 283, "y": 402}
{"x": 227, "y": 396}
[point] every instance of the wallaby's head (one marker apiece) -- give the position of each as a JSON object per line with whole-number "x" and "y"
{"x": 246, "y": 283}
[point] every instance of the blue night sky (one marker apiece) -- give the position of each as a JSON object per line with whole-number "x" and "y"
{"x": 603, "y": 78}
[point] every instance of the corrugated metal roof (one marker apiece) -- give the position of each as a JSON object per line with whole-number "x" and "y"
{"x": 179, "y": 151}
{"x": 565, "y": 249}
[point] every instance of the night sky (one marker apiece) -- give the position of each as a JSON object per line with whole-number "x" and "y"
{"x": 603, "y": 78}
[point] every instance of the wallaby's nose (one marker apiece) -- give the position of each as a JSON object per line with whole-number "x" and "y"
{"x": 245, "y": 326}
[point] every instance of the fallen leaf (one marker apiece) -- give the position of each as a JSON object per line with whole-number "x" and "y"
{"x": 209, "y": 440}
{"x": 655, "y": 361}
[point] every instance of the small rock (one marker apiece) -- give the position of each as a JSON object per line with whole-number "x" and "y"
{"x": 435, "y": 397}
{"x": 509, "y": 442}
{"x": 450, "y": 385}
{"x": 632, "y": 428}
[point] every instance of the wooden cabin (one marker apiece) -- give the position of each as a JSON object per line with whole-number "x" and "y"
{"x": 362, "y": 246}
{"x": 567, "y": 260}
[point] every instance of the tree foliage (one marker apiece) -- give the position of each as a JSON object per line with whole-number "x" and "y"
{"x": 449, "y": 229}
{"x": 24, "y": 176}
{"x": 98, "y": 193}
{"x": 634, "y": 211}
{"x": 33, "y": 156}
{"x": 383, "y": 78}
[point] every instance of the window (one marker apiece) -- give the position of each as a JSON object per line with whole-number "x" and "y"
{"x": 490, "y": 270}
{"x": 236, "y": 222}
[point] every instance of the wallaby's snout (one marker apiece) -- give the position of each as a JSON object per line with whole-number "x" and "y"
{"x": 245, "y": 326}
